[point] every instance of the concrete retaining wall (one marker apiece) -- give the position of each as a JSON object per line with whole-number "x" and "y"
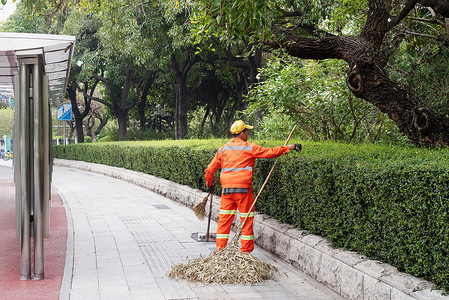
{"x": 347, "y": 273}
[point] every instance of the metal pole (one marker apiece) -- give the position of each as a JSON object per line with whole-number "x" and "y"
{"x": 210, "y": 213}
{"x": 17, "y": 128}
{"x": 38, "y": 171}
{"x": 46, "y": 121}
{"x": 25, "y": 194}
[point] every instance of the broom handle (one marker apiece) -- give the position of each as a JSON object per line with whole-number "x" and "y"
{"x": 210, "y": 213}
{"x": 268, "y": 177}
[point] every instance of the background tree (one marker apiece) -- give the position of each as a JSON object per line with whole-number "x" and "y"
{"x": 321, "y": 30}
{"x": 96, "y": 113}
{"x": 81, "y": 83}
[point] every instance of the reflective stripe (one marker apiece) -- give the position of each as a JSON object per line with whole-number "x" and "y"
{"x": 226, "y": 212}
{"x": 243, "y": 215}
{"x": 222, "y": 236}
{"x": 249, "y": 168}
{"x": 244, "y": 148}
{"x": 248, "y": 237}
{"x": 227, "y": 191}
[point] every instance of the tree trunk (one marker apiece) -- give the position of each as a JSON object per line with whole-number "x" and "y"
{"x": 241, "y": 89}
{"x": 78, "y": 116}
{"x": 183, "y": 94}
{"x": 89, "y": 125}
{"x": 122, "y": 125}
{"x": 120, "y": 108}
{"x": 142, "y": 91}
{"x": 141, "y": 111}
{"x": 103, "y": 122}
{"x": 182, "y": 101}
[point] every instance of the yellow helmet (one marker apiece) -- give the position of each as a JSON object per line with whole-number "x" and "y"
{"x": 239, "y": 126}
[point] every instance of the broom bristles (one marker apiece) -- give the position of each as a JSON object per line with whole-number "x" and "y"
{"x": 200, "y": 209}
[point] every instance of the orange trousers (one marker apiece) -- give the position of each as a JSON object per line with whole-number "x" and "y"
{"x": 228, "y": 205}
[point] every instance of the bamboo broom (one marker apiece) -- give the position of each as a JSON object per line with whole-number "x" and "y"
{"x": 200, "y": 208}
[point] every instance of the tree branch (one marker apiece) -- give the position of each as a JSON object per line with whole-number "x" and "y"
{"x": 85, "y": 94}
{"x": 441, "y": 7}
{"x": 347, "y": 48}
{"x": 113, "y": 104}
{"x": 405, "y": 11}
{"x": 438, "y": 38}
{"x": 434, "y": 19}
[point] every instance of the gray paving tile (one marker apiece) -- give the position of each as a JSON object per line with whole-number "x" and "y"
{"x": 173, "y": 289}
{"x": 84, "y": 294}
{"x": 247, "y": 296}
{"x": 146, "y": 294}
{"x": 85, "y": 281}
{"x": 211, "y": 292}
{"x": 238, "y": 288}
{"x": 112, "y": 294}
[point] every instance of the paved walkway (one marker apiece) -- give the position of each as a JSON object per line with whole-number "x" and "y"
{"x": 123, "y": 239}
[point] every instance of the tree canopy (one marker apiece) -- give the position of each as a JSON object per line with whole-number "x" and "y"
{"x": 365, "y": 34}
{"x": 192, "y": 61}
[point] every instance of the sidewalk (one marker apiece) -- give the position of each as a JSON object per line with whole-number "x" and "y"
{"x": 126, "y": 238}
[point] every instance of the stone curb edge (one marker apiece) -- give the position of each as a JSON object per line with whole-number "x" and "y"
{"x": 347, "y": 273}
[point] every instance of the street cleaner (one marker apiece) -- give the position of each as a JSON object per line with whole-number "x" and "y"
{"x": 236, "y": 160}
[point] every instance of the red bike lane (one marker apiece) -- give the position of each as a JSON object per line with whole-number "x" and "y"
{"x": 11, "y": 287}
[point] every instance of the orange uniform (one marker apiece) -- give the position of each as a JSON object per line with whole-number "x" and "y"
{"x": 236, "y": 160}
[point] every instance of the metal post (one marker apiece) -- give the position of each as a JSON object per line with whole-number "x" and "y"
{"x": 17, "y": 126}
{"x": 25, "y": 193}
{"x": 38, "y": 161}
{"x": 46, "y": 123}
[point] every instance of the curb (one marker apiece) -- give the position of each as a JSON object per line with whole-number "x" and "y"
{"x": 349, "y": 274}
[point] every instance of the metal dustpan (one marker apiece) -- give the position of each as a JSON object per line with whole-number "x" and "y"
{"x": 202, "y": 237}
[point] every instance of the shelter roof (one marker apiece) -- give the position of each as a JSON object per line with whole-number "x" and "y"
{"x": 56, "y": 50}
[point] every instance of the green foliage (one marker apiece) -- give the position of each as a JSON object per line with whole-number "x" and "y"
{"x": 428, "y": 77}
{"x": 135, "y": 134}
{"x": 388, "y": 203}
{"x": 21, "y": 21}
{"x": 344, "y": 17}
{"x": 228, "y": 21}
{"x": 232, "y": 21}
{"x": 314, "y": 95}
{"x": 6, "y": 121}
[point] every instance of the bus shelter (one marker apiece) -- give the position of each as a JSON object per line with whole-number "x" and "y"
{"x": 35, "y": 69}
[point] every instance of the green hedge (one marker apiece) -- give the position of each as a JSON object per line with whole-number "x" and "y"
{"x": 388, "y": 203}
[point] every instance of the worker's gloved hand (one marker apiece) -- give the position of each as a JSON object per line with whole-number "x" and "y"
{"x": 209, "y": 178}
{"x": 211, "y": 189}
{"x": 298, "y": 147}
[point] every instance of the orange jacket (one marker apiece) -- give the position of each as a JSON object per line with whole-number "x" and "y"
{"x": 236, "y": 160}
